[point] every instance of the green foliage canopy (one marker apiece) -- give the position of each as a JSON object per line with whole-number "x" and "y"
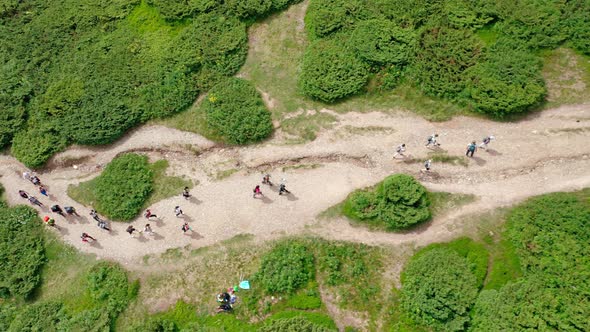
{"x": 383, "y": 42}
{"x": 399, "y": 201}
{"x": 235, "y": 110}
{"x": 439, "y": 289}
{"x": 299, "y": 324}
{"x": 287, "y": 267}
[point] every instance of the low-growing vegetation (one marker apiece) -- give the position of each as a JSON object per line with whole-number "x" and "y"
{"x": 398, "y": 202}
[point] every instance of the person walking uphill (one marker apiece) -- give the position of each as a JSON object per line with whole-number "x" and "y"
{"x": 471, "y": 149}
{"x": 186, "y": 194}
{"x": 257, "y": 192}
{"x": 400, "y": 151}
{"x": 148, "y": 214}
{"x": 178, "y": 211}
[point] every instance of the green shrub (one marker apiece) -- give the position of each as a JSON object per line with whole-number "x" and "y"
{"x": 43, "y": 316}
{"x": 439, "y": 289}
{"x": 34, "y": 147}
{"x": 509, "y": 81}
{"x": 324, "y": 17}
{"x": 155, "y": 325}
{"x": 299, "y": 324}
{"x": 576, "y": 21}
{"x": 180, "y": 9}
{"x": 381, "y": 41}
{"x": 109, "y": 287}
{"x": 235, "y": 110}
{"x": 317, "y": 318}
{"x": 21, "y": 251}
{"x": 444, "y": 54}
{"x": 286, "y": 268}
{"x": 330, "y": 71}
{"x": 305, "y": 301}
{"x": 122, "y": 189}
{"x": 249, "y": 8}
{"x": 398, "y": 202}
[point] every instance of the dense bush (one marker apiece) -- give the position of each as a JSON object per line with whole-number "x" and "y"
{"x": 439, "y": 289}
{"x": 108, "y": 286}
{"x": 324, "y": 17}
{"x": 299, "y": 324}
{"x": 35, "y": 146}
{"x": 43, "y": 316}
{"x": 287, "y": 267}
{"x": 444, "y": 54}
{"x": 21, "y": 251}
{"x": 577, "y": 22}
{"x": 180, "y": 9}
{"x": 331, "y": 71}
{"x": 397, "y": 202}
{"x": 551, "y": 235}
{"x": 508, "y": 81}
{"x": 383, "y": 42}
{"x": 123, "y": 187}
{"x": 235, "y": 111}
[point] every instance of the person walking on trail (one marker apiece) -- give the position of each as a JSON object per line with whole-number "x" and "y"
{"x": 94, "y": 215}
{"x": 471, "y": 149}
{"x": 485, "y": 142}
{"x": 27, "y": 176}
{"x": 57, "y": 209}
{"x": 148, "y": 230}
{"x": 35, "y": 180}
{"x": 85, "y": 237}
{"x": 102, "y": 224}
{"x": 70, "y": 210}
{"x": 427, "y": 164}
{"x": 43, "y": 191}
{"x": 35, "y": 201}
{"x": 178, "y": 211}
{"x": 432, "y": 140}
{"x": 399, "y": 151}
{"x": 257, "y": 192}
{"x": 266, "y": 180}
{"x": 49, "y": 221}
{"x": 148, "y": 214}
{"x": 23, "y": 194}
{"x": 185, "y": 228}
{"x": 186, "y": 194}
{"x": 283, "y": 189}
{"x": 130, "y": 229}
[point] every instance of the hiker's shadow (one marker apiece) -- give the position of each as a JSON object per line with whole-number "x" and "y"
{"x": 436, "y": 148}
{"x": 195, "y": 236}
{"x": 63, "y": 230}
{"x": 95, "y": 244}
{"x": 479, "y": 161}
{"x": 185, "y": 218}
{"x": 157, "y": 237}
{"x": 493, "y": 152}
{"x": 292, "y": 197}
{"x": 141, "y": 238}
{"x": 194, "y": 200}
{"x": 266, "y": 200}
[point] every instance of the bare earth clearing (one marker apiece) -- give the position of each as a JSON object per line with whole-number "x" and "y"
{"x": 546, "y": 152}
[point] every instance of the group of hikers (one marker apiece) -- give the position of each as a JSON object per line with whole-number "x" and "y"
{"x": 432, "y": 140}
{"x": 266, "y": 180}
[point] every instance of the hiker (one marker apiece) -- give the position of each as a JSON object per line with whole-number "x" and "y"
{"x": 49, "y": 221}
{"x": 485, "y": 142}
{"x": 102, "y": 224}
{"x": 266, "y": 180}
{"x": 257, "y": 192}
{"x": 43, "y": 191}
{"x": 400, "y": 151}
{"x": 58, "y": 210}
{"x": 94, "y": 215}
{"x": 23, "y": 194}
{"x": 27, "y": 176}
{"x": 185, "y": 228}
{"x": 85, "y": 237}
{"x": 70, "y": 210}
{"x": 148, "y": 214}
{"x": 283, "y": 189}
{"x": 427, "y": 164}
{"x": 148, "y": 230}
{"x": 130, "y": 229}
{"x": 185, "y": 193}
{"x": 178, "y": 211}
{"x": 35, "y": 180}
{"x": 35, "y": 201}
{"x": 432, "y": 140}
{"x": 223, "y": 297}
{"x": 471, "y": 149}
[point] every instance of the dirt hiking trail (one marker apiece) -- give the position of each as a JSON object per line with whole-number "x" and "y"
{"x": 546, "y": 152}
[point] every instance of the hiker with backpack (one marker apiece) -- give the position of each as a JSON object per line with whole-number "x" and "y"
{"x": 485, "y": 142}
{"x": 471, "y": 149}
{"x": 427, "y": 164}
{"x": 43, "y": 191}
{"x": 148, "y": 214}
{"x": 23, "y": 194}
{"x": 266, "y": 180}
{"x": 148, "y": 230}
{"x": 400, "y": 151}
{"x": 257, "y": 191}
{"x": 283, "y": 189}
{"x": 178, "y": 211}
{"x": 130, "y": 229}
{"x": 55, "y": 208}
{"x": 35, "y": 201}
{"x": 85, "y": 237}
{"x": 186, "y": 194}
{"x": 70, "y": 210}
{"x": 432, "y": 140}
{"x": 185, "y": 228}
{"x": 49, "y": 221}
